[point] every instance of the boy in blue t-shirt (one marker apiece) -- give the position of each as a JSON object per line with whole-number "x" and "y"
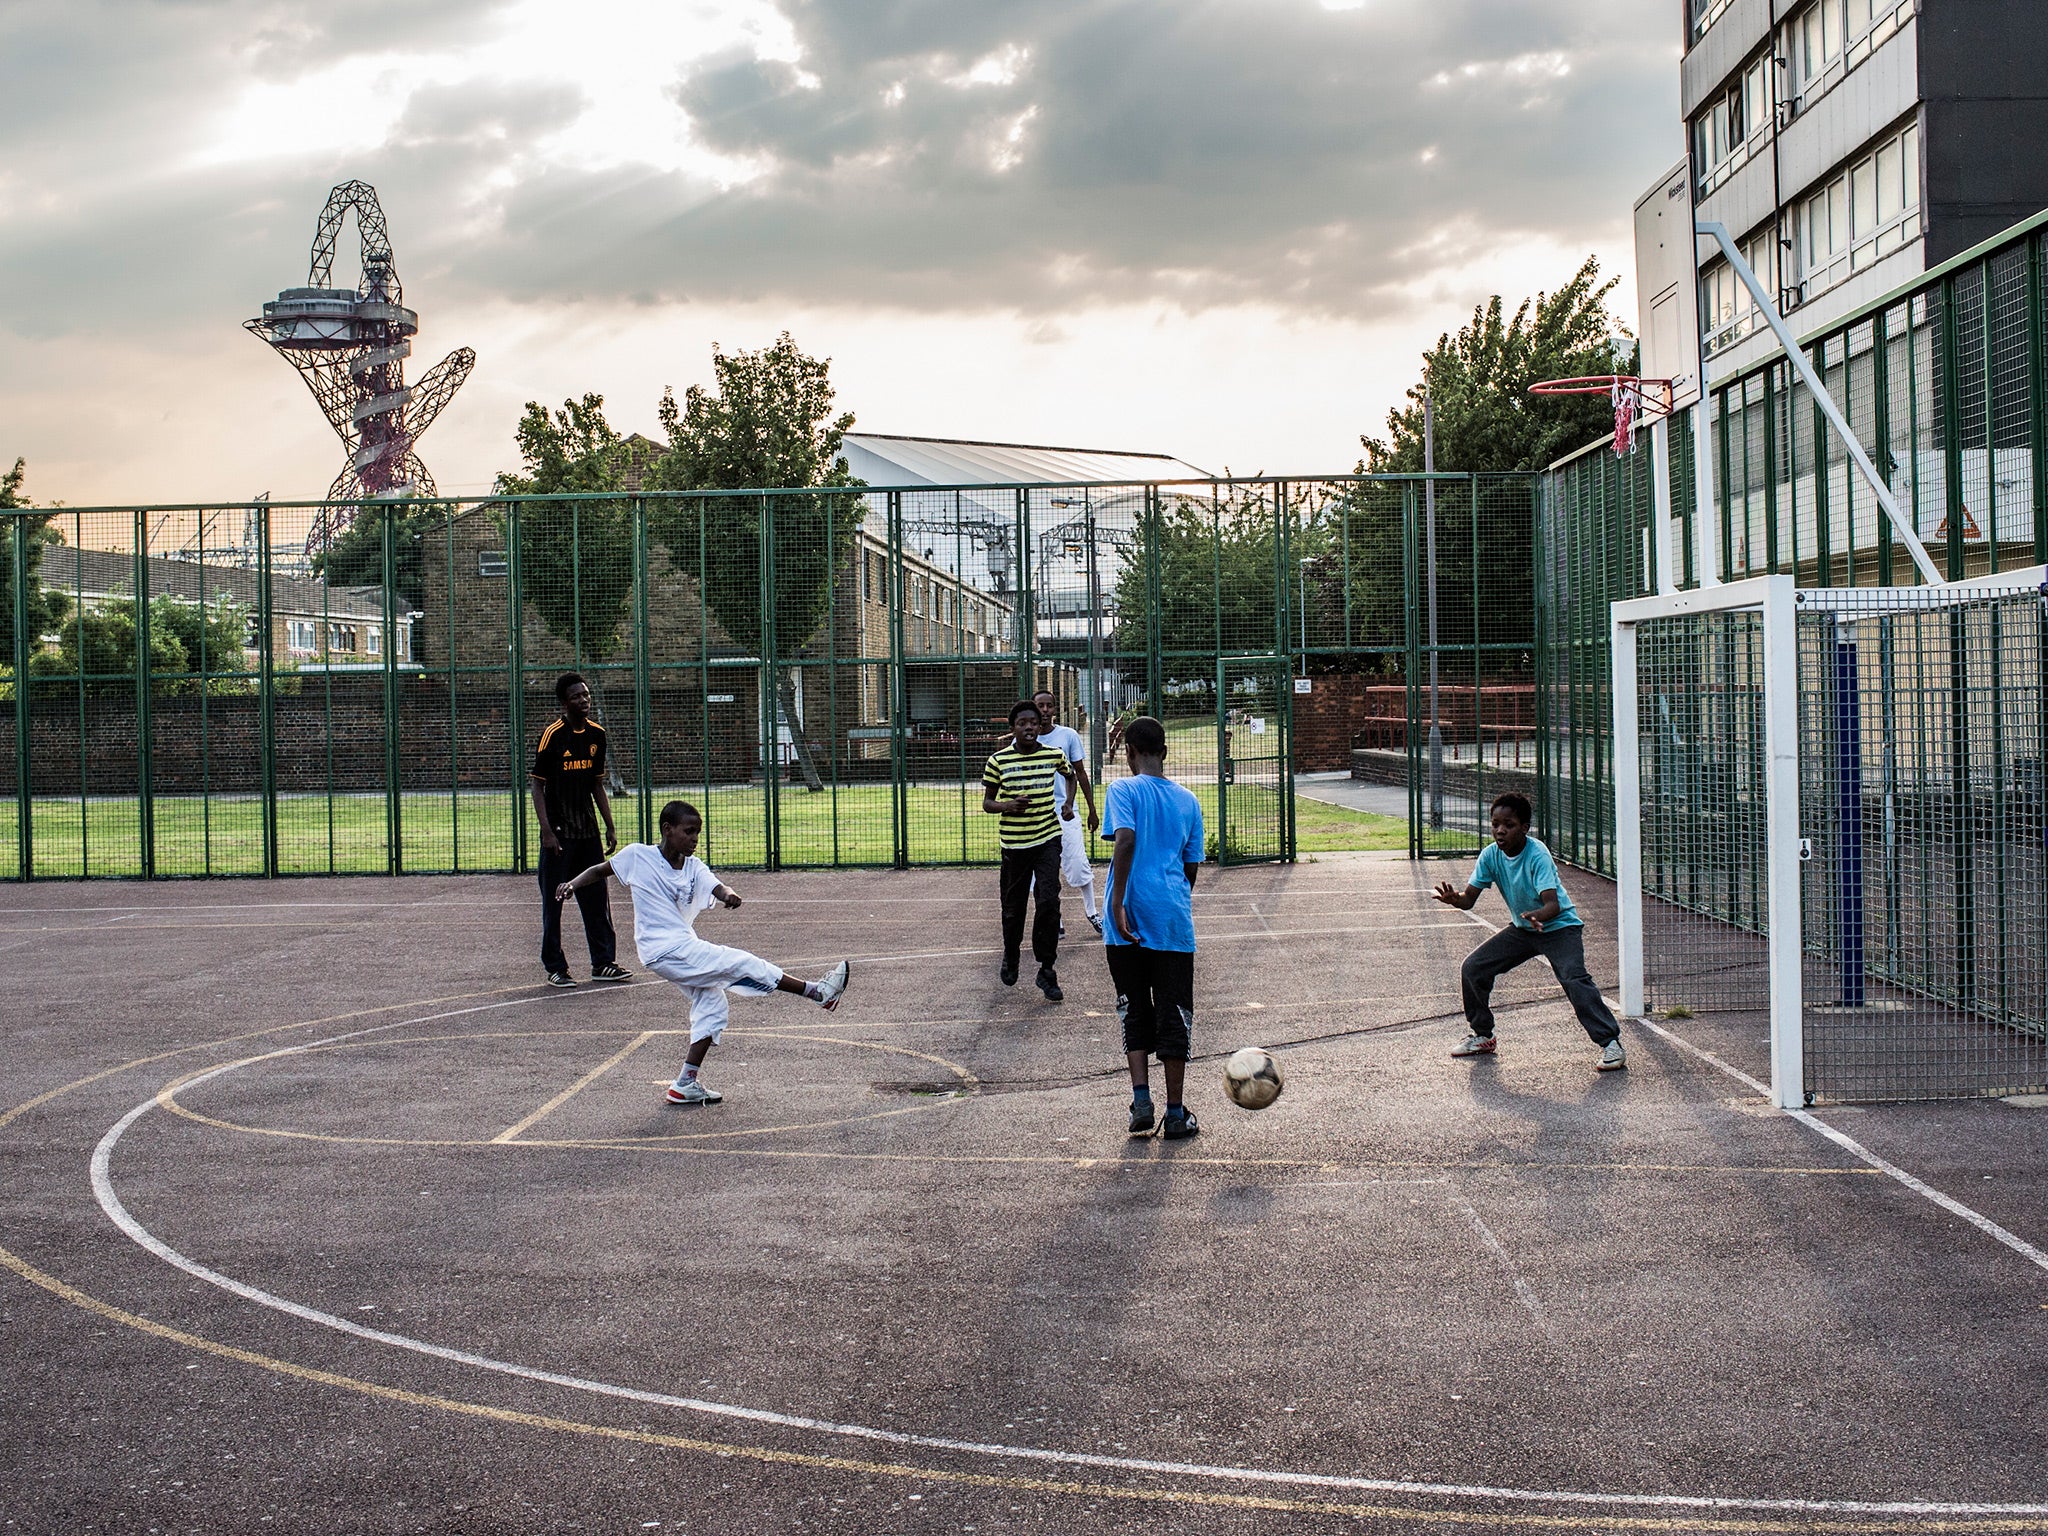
{"x": 1150, "y": 936}
{"x": 1545, "y": 923}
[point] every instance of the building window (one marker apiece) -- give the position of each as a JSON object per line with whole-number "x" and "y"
{"x": 1831, "y": 37}
{"x": 1861, "y": 215}
{"x": 1729, "y": 312}
{"x": 341, "y": 637}
{"x": 374, "y": 640}
{"x": 1734, "y": 125}
{"x": 1705, "y": 13}
{"x": 300, "y": 636}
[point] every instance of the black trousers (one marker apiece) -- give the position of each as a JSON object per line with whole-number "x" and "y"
{"x": 1155, "y": 998}
{"x": 1564, "y": 948}
{"x": 1021, "y": 867}
{"x": 594, "y": 900}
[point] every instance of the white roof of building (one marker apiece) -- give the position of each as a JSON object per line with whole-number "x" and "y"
{"x": 886, "y": 461}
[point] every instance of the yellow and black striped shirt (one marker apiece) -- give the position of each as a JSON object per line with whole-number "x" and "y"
{"x": 1034, "y": 777}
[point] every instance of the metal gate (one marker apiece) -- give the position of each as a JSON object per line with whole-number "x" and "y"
{"x": 1255, "y": 775}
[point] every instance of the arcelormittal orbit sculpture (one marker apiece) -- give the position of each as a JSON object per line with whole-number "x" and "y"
{"x": 350, "y": 346}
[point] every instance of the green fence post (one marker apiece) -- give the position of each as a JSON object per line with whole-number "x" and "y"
{"x": 2037, "y": 396}
{"x": 1951, "y": 429}
{"x": 1155, "y": 672}
{"x": 643, "y": 689}
{"x": 1412, "y": 655}
{"x": 266, "y": 693}
{"x": 394, "y": 809}
{"x": 145, "y": 774}
{"x": 24, "y": 807}
{"x": 771, "y": 698}
{"x": 1027, "y": 600}
{"x": 899, "y": 710}
{"x": 515, "y": 645}
{"x": 1881, "y": 430}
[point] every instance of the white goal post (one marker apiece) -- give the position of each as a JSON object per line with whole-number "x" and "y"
{"x": 1775, "y": 600}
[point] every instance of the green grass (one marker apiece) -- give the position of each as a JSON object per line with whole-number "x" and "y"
{"x": 472, "y": 831}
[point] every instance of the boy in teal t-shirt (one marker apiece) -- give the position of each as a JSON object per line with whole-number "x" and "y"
{"x": 1545, "y": 923}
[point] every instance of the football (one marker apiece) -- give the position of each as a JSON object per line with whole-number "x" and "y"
{"x": 1252, "y": 1078}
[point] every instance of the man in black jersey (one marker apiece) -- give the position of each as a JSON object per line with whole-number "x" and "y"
{"x": 568, "y": 797}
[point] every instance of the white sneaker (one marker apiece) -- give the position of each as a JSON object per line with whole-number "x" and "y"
{"x": 1612, "y": 1057}
{"x": 694, "y": 1092}
{"x": 1475, "y": 1045}
{"x": 833, "y": 984}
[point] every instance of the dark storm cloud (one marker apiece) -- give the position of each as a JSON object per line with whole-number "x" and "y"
{"x": 964, "y": 153}
{"x": 935, "y": 154}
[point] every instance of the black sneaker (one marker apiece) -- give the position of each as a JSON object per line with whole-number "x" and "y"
{"x": 611, "y": 973}
{"x": 1049, "y": 984}
{"x": 1008, "y": 974}
{"x": 1095, "y": 923}
{"x": 1180, "y": 1127}
{"x": 1141, "y": 1117}
{"x": 561, "y": 979}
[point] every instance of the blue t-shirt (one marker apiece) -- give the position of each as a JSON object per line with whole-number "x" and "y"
{"x": 1523, "y": 880}
{"x": 1167, "y": 822}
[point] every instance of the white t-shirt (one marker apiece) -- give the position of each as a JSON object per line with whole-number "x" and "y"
{"x": 1064, "y": 738}
{"x": 666, "y": 900}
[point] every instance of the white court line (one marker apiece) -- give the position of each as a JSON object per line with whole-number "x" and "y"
{"x": 1523, "y": 1293}
{"x": 116, "y": 1212}
{"x": 1849, "y": 1144}
{"x": 1857, "y": 1150}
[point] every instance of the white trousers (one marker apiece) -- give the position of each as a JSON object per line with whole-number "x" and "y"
{"x": 1075, "y": 869}
{"x": 704, "y": 973}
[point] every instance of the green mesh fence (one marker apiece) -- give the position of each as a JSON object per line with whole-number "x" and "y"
{"x": 1945, "y": 386}
{"x": 239, "y": 690}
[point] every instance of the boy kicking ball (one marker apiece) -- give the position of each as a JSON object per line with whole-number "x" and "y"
{"x": 1545, "y": 923}
{"x": 670, "y": 886}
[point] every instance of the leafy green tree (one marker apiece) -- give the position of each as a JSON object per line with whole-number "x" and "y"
{"x": 1486, "y": 419}
{"x": 356, "y": 558}
{"x": 1488, "y": 422}
{"x": 1219, "y": 576}
{"x": 99, "y": 646}
{"x": 213, "y": 635}
{"x": 576, "y": 556}
{"x": 46, "y": 609}
{"x": 768, "y": 424}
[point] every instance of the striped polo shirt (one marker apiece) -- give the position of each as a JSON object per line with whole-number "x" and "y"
{"x": 1033, "y": 777}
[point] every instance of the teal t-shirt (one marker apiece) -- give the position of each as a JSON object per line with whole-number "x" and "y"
{"x": 1167, "y": 822}
{"x": 1523, "y": 880}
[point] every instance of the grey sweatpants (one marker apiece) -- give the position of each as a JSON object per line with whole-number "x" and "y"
{"x": 1564, "y": 948}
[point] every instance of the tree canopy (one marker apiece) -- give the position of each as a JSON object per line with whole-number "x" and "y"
{"x": 46, "y": 609}
{"x": 576, "y": 556}
{"x": 1486, "y": 419}
{"x": 767, "y": 423}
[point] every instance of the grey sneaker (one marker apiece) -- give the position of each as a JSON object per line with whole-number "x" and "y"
{"x": 833, "y": 985}
{"x": 1612, "y": 1057}
{"x": 1141, "y": 1117}
{"x": 1475, "y": 1045}
{"x": 693, "y": 1092}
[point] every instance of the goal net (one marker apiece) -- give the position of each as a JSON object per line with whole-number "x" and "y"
{"x": 1830, "y": 828}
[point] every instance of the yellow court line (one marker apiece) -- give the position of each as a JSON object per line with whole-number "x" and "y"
{"x": 576, "y": 1087}
{"x": 1494, "y": 1519}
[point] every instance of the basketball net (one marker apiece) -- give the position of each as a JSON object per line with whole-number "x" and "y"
{"x": 1628, "y": 407}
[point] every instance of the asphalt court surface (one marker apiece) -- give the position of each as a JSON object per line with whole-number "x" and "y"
{"x": 320, "y": 1214}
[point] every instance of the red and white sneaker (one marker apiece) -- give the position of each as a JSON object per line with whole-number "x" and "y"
{"x": 1475, "y": 1045}
{"x": 693, "y": 1092}
{"x": 833, "y": 986}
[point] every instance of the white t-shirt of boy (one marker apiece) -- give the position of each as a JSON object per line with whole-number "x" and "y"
{"x": 1067, "y": 740}
{"x": 666, "y": 900}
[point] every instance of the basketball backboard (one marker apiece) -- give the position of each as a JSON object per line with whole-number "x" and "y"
{"x": 1667, "y": 285}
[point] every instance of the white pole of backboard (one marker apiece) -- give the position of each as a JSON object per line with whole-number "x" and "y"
{"x": 1660, "y": 479}
{"x": 1796, "y": 356}
{"x": 1781, "y": 798}
{"x": 1706, "y": 506}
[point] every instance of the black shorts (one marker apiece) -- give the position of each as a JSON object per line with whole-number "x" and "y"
{"x": 1155, "y": 998}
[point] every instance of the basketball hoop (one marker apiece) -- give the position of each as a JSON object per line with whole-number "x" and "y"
{"x": 1634, "y": 400}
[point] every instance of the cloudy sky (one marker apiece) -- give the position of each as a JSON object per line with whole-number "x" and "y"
{"x": 1222, "y": 229}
